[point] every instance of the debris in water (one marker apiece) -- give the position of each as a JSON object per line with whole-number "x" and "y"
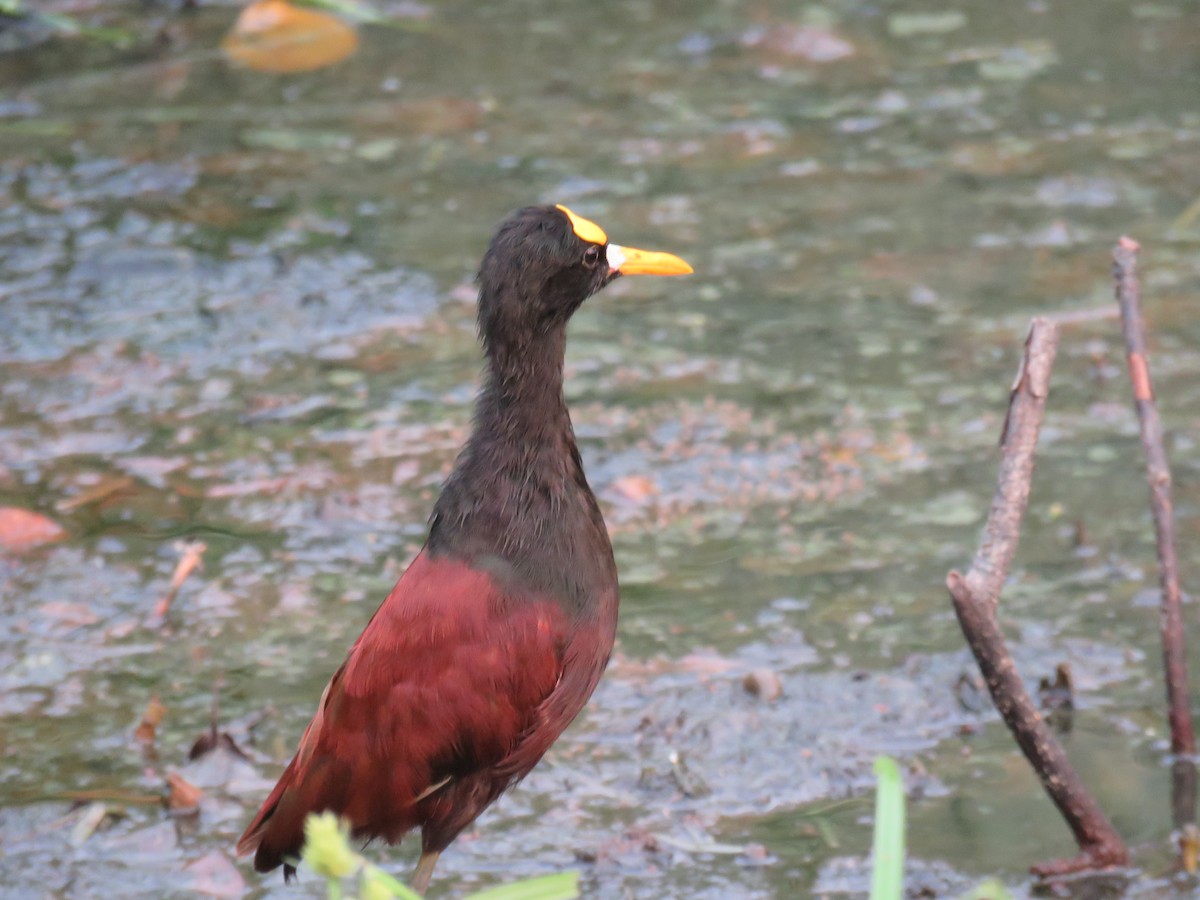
{"x": 1060, "y": 693}
{"x": 764, "y": 684}
{"x": 274, "y": 36}
{"x": 184, "y": 796}
{"x": 21, "y": 529}
{"x": 1189, "y": 848}
{"x": 189, "y": 560}
{"x": 214, "y": 738}
{"x": 93, "y": 815}
{"x": 148, "y": 727}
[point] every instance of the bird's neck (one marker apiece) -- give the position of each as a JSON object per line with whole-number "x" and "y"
{"x": 520, "y": 466}
{"x": 517, "y": 500}
{"x": 521, "y": 404}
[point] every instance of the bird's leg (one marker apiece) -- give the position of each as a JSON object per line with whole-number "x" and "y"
{"x": 424, "y": 873}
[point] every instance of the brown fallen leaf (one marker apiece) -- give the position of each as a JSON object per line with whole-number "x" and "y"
{"x": 274, "y": 36}
{"x": 184, "y": 796}
{"x": 189, "y": 560}
{"x": 22, "y": 529}
{"x": 151, "y": 719}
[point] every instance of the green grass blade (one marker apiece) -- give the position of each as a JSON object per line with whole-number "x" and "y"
{"x": 560, "y": 886}
{"x": 887, "y": 875}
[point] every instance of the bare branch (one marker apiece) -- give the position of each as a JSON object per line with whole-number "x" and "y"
{"x": 975, "y": 598}
{"x": 1158, "y": 473}
{"x": 1018, "y": 440}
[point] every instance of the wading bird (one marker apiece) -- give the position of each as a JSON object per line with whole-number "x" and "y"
{"x": 496, "y": 635}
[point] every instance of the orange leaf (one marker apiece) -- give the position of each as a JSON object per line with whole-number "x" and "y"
{"x": 21, "y": 529}
{"x": 151, "y": 719}
{"x": 184, "y": 794}
{"x": 274, "y": 36}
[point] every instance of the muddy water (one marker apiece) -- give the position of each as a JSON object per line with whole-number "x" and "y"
{"x": 236, "y": 308}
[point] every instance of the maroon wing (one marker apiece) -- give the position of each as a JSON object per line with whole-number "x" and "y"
{"x": 449, "y": 677}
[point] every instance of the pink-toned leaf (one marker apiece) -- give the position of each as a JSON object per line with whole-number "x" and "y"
{"x": 21, "y": 529}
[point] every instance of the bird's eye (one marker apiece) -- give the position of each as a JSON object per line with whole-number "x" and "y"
{"x": 591, "y": 256}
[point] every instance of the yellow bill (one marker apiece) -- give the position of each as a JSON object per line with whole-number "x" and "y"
{"x": 631, "y": 261}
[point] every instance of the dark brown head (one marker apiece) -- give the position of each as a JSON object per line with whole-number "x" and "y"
{"x": 543, "y": 262}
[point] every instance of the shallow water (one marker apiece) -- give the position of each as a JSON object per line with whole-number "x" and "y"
{"x": 237, "y": 308}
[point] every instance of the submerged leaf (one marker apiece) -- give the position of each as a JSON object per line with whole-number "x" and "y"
{"x": 21, "y": 529}
{"x": 274, "y": 36}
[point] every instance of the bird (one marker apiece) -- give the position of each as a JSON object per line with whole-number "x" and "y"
{"x": 497, "y": 633}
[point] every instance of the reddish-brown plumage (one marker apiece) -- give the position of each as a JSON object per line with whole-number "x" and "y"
{"x": 429, "y": 704}
{"x": 497, "y": 634}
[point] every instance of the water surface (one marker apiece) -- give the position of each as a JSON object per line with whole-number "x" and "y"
{"x": 237, "y": 307}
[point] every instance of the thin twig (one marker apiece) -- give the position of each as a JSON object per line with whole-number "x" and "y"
{"x": 1170, "y": 617}
{"x": 975, "y": 597}
{"x": 190, "y": 553}
{"x": 1158, "y": 473}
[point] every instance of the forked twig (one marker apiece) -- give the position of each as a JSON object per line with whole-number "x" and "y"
{"x": 975, "y": 599}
